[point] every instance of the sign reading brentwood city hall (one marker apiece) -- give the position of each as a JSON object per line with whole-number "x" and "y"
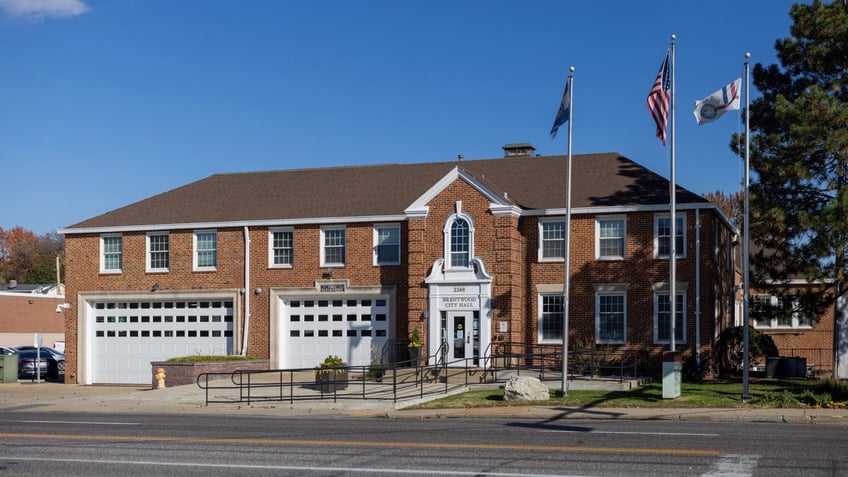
{"x": 460, "y": 298}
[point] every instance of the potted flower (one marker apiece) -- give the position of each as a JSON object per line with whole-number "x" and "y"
{"x": 415, "y": 347}
{"x": 331, "y": 375}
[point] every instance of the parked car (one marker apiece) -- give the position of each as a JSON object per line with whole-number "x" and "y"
{"x": 55, "y": 360}
{"x": 7, "y": 351}
{"x": 29, "y": 366}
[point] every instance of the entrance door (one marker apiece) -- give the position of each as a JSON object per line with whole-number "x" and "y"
{"x": 462, "y": 336}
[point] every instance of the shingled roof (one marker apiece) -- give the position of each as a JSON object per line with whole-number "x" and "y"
{"x": 603, "y": 180}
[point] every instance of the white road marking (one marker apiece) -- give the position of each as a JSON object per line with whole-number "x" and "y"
{"x": 733, "y": 465}
{"x": 289, "y": 467}
{"x": 633, "y": 433}
{"x": 95, "y": 423}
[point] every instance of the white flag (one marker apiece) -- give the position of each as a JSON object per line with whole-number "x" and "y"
{"x": 713, "y": 106}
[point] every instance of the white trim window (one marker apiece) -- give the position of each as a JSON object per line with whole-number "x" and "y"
{"x": 111, "y": 253}
{"x": 459, "y": 245}
{"x": 205, "y": 250}
{"x": 773, "y": 312}
{"x": 610, "y": 314}
{"x": 158, "y": 252}
{"x": 550, "y": 318}
{"x": 662, "y": 322}
{"x": 333, "y": 242}
{"x": 281, "y": 247}
{"x": 610, "y": 238}
{"x": 387, "y": 244}
{"x": 662, "y": 232}
{"x": 551, "y": 240}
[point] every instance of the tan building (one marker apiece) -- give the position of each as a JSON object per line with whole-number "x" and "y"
{"x": 31, "y": 311}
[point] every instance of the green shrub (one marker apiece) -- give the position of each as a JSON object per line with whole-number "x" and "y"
{"x": 837, "y": 389}
{"x": 375, "y": 372}
{"x": 730, "y": 348}
{"x": 785, "y": 398}
{"x": 204, "y": 359}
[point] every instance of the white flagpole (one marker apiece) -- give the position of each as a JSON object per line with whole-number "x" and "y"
{"x": 746, "y": 237}
{"x": 567, "y": 277}
{"x": 672, "y": 268}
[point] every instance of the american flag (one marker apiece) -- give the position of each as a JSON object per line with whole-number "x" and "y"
{"x": 658, "y": 99}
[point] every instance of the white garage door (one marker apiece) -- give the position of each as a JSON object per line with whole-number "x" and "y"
{"x": 352, "y": 328}
{"x": 129, "y": 335}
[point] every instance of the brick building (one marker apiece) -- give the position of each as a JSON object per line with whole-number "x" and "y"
{"x": 796, "y": 332}
{"x": 294, "y": 265}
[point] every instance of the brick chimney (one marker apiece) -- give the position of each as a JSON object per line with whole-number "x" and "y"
{"x": 521, "y": 149}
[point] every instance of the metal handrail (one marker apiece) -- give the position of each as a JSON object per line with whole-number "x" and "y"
{"x": 386, "y": 383}
{"x": 408, "y": 380}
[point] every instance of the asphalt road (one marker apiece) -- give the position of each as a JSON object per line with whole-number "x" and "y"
{"x": 55, "y": 443}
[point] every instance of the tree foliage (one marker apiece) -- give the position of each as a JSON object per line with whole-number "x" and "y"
{"x": 28, "y": 257}
{"x": 732, "y": 204}
{"x": 730, "y": 348}
{"x": 799, "y": 151}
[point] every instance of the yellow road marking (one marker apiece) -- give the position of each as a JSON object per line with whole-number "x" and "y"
{"x": 315, "y": 442}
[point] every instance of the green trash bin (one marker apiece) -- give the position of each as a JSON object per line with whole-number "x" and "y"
{"x": 8, "y": 368}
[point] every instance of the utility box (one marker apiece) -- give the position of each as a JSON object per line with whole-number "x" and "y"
{"x": 8, "y": 368}
{"x": 672, "y": 371}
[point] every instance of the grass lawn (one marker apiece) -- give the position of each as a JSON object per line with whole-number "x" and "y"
{"x": 724, "y": 393}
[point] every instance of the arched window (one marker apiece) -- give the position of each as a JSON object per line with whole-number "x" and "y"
{"x": 459, "y": 241}
{"x": 460, "y": 244}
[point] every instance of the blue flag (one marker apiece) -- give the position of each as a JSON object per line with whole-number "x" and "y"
{"x": 562, "y": 114}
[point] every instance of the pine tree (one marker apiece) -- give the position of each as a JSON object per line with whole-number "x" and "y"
{"x": 799, "y": 154}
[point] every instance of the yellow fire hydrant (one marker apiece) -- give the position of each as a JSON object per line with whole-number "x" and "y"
{"x": 160, "y": 378}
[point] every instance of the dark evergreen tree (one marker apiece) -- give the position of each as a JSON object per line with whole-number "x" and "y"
{"x": 799, "y": 155}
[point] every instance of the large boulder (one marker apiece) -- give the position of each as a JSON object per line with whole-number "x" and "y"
{"x": 525, "y": 388}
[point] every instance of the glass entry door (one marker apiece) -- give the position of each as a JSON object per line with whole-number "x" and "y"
{"x": 461, "y": 331}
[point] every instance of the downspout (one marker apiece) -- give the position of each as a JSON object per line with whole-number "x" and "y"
{"x": 698, "y": 288}
{"x": 246, "y": 290}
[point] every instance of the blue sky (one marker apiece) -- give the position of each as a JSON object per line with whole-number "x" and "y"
{"x": 107, "y": 102}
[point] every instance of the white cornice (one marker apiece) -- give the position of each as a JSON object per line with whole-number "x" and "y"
{"x": 505, "y": 209}
{"x": 234, "y": 224}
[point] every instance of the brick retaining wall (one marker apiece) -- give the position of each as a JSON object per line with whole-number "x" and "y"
{"x": 177, "y": 374}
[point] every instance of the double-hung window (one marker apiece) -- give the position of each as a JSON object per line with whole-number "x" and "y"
{"x": 333, "y": 246}
{"x": 611, "y": 235}
{"x": 610, "y": 314}
{"x": 662, "y": 236}
{"x": 550, "y": 318}
{"x": 158, "y": 249}
{"x": 281, "y": 250}
{"x": 111, "y": 253}
{"x": 779, "y": 312}
{"x": 662, "y": 317}
{"x": 205, "y": 250}
{"x": 387, "y": 244}
{"x": 551, "y": 240}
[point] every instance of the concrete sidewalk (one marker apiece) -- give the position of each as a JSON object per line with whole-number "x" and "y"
{"x": 189, "y": 399}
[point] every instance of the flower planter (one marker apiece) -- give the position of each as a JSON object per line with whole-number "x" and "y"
{"x": 415, "y": 356}
{"x": 331, "y": 380}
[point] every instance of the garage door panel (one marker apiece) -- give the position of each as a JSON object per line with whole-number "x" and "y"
{"x": 129, "y": 335}
{"x": 355, "y": 328}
